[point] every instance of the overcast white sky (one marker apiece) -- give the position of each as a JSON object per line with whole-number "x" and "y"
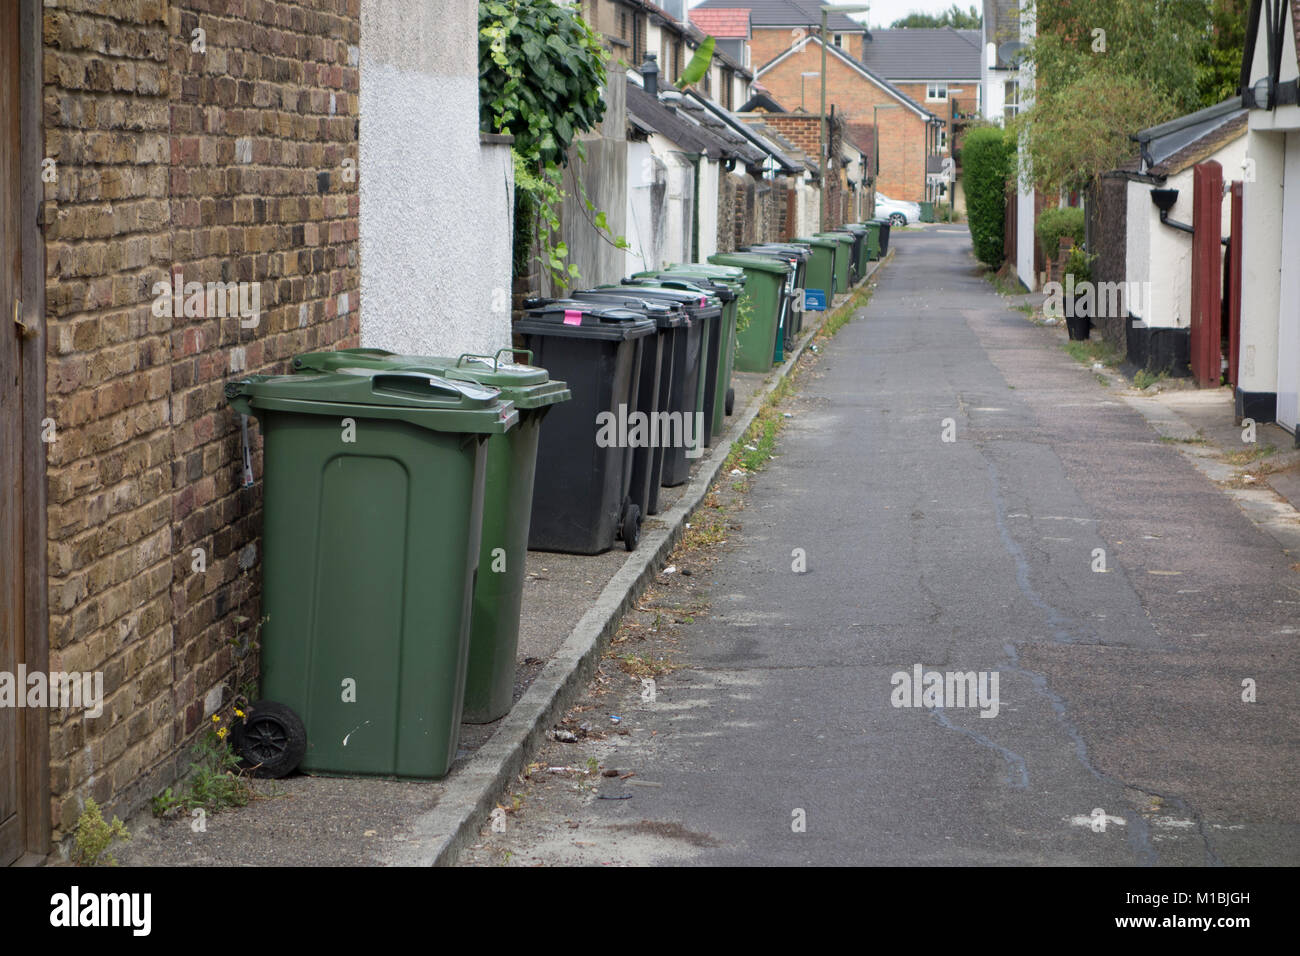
{"x": 885, "y": 12}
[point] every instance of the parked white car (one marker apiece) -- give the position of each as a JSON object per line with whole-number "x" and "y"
{"x": 898, "y": 212}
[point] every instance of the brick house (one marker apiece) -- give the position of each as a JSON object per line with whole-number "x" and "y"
{"x": 180, "y": 145}
{"x": 908, "y": 132}
{"x": 939, "y": 69}
{"x": 775, "y": 24}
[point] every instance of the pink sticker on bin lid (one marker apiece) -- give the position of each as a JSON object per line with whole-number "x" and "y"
{"x": 572, "y": 317}
{"x": 704, "y": 300}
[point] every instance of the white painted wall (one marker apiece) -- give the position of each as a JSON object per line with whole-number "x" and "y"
{"x": 642, "y": 172}
{"x": 809, "y": 209}
{"x": 1261, "y": 257}
{"x": 1025, "y": 219}
{"x": 435, "y": 205}
{"x": 661, "y": 205}
{"x": 1137, "y": 245}
{"x": 1162, "y": 255}
{"x": 1288, "y": 323}
{"x": 710, "y": 174}
{"x": 680, "y": 221}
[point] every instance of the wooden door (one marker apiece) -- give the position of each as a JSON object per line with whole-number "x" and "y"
{"x": 24, "y": 741}
{"x": 11, "y": 431}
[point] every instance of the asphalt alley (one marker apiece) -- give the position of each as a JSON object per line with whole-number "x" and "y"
{"x": 1120, "y": 735}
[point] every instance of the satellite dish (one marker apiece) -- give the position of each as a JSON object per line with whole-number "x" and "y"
{"x": 1011, "y": 53}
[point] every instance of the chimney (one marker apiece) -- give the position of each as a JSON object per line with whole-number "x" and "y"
{"x": 650, "y": 75}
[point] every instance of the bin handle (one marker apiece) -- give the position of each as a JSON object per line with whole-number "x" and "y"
{"x": 401, "y": 380}
{"x": 514, "y": 352}
{"x": 495, "y": 359}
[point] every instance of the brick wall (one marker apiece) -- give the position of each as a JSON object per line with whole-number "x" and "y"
{"x": 223, "y": 165}
{"x": 964, "y": 100}
{"x": 902, "y": 131}
{"x": 768, "y": 43}
{"x": 727, "y": 211}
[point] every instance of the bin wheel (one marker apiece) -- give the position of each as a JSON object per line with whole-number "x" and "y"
{"x": 271, "y": 740}
{"x": 731, "y": 400}
{"x": 631, "y": 527}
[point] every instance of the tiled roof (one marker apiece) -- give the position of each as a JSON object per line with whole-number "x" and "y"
{"x": 787, "y": 13}
{"x": 923, "y": 54}
{"x": 856, "y": 64}
{"x": 725, "y": 22}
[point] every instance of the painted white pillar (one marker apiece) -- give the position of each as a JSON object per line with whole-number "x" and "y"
{"x": 1261, "y": 262}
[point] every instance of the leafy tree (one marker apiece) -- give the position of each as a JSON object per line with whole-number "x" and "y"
{"x": 1219, "y": 73}
{"x": 1102, "y": 70}
{"x": 1075, "y": 133}
{"x": 953, "y": 17}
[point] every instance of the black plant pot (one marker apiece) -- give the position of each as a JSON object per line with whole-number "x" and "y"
{"x": 1079, "y": 326}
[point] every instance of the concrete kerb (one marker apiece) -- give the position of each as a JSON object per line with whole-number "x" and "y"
{"x": 470, "y": 794}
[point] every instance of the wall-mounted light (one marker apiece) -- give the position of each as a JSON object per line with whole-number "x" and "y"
{"x": 1263, "y": 93}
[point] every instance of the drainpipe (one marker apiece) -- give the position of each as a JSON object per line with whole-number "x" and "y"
{"x": 695, "y": 210}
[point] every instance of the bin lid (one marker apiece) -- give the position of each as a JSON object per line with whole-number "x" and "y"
{"x": 667, "y": 315}
{"x": 700, "y": 285}
{"x": 791, "y": 248}
{"x": 730, "y": 273}
{"x": 752, "y": 260}
{"x": 819, "y": 242}
{"x": 528, "y": 386}
{"x": 697, "y": 302}
{"x": 722, "y": 288}
{"x": 837, "y": 236}
{"x": 418, "y": 397}
{"x": 574, "y": 318}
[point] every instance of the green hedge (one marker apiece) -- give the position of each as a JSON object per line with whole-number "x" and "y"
{"x": 986, "y": 165}
{"x": 1055, "y": 223}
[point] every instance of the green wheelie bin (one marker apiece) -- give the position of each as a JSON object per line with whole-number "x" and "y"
{"x": 372, "y": 514}
{"x": 843, "y": 259}
{"x": 765, "y": 284}
{"x": 507, "y": 505}
{"x": 927, "y": 212}
{"x": 873, "y": 240}
{"x": 820, "y": 273}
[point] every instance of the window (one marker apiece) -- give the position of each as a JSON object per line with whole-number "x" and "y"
{"x": 943, "y": 140}
{"x": 1011, "y": 101}
{"x": 839, "y": 39}
{"x": 936, "y": 92}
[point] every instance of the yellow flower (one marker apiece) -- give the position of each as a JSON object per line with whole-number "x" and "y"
{"x": 216, "y": 719}
{"x": 238, "y": 712}
{"x": 222, "y": 733}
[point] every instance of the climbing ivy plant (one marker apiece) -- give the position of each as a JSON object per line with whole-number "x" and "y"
{"x": 541, "y": 71}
